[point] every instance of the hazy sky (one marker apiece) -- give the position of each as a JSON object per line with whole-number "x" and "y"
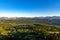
{"x": 29, "y": 8}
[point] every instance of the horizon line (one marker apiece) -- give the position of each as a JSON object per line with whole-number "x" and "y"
{"x": 29, "y": 16}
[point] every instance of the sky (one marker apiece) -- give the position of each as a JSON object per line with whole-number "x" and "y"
{"x": 29, "y": 8}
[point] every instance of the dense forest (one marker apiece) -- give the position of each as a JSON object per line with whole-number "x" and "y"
{"x": 28, "y": 30}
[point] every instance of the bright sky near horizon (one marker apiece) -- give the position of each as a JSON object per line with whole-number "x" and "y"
{"x": 29, "y": 8}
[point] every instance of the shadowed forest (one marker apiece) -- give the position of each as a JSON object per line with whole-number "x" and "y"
{"x": 28, "y": 30}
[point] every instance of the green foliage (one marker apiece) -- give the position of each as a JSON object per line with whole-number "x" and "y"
{"x": 27, "y": 30}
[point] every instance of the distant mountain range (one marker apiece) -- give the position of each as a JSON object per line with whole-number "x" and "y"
{"x": 19, "y": 18}
{"x": 54, "y": 20}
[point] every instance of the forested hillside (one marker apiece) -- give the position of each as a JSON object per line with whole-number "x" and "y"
{"x": 28, "y": 30}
